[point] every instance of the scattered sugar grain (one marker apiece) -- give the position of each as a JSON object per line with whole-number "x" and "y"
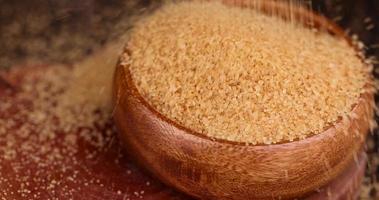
{"x": 56, "y": 104}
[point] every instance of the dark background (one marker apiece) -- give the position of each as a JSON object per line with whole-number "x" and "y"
{"x": 65, "y": 31}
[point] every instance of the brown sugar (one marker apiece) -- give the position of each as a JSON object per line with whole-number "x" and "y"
{"x": 240, "y": 75}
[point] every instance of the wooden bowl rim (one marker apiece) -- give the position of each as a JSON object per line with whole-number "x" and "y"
{"x": 329, "y": 130}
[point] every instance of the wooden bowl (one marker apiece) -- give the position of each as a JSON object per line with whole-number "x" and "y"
{"x": 114, "y": 176}
{"x": 217, "y": 169}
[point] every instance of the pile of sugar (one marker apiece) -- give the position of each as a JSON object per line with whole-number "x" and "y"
{"x": 240, "y": 75}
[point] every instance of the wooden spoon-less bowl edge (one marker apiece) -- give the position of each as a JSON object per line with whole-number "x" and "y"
{"x": 207, "y": 168}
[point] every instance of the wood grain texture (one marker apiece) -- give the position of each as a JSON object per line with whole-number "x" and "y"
{"x": 345, "y": 186}
{"x": 216, "y": 169}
